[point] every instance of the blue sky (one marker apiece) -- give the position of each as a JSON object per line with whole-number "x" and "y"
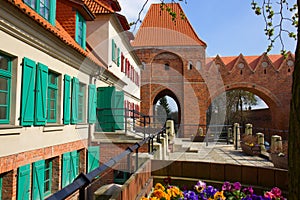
{"x": 229, "y": 27}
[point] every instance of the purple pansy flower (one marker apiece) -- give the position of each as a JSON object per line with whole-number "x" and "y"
{"x": 226, "y": 186}
{"x": 237, "y": 186}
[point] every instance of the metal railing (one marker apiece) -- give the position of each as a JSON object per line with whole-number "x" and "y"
{"x": 269, "y": 132}
{"x": 83, "y": 180}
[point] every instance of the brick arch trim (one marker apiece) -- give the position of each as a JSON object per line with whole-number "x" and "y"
{"x": 165, "y": 52}
{"x": 270, "y": 99}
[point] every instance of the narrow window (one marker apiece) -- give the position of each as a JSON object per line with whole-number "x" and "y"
{"x": 167, "y": 66}
{"x": 241, "y": 72}
{"x": 190, "y": 65}
{"x": 48, "y": 177}
{"x": 81, "y": 102}
{"x": 265, "y": 71}
{"x": 5, "y": 89}
{"x": 52, "y": 99}
{"x": 80, "y": 33}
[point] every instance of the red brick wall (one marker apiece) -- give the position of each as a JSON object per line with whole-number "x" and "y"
{"x": 9, "y": 164}
{"x": 195, "y": 89}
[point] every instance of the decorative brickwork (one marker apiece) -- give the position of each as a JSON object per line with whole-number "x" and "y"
{"x": 183, "y": 72}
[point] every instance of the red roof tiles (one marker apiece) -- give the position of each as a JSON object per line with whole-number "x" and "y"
{"x": 252, "y": 61}
{"x": 158, "y": 29}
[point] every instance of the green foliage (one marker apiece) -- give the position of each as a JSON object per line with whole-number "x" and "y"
{"x": 164, "y": 103}
{"x": 278, "y": 15}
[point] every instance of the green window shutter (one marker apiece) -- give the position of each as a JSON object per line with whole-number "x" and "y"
{"x": 113, "y": 56}
{"x": 1, "y": 187}
{"x": 38, "y": 177}
{"x": 119, "y": 57}
{"x": 92, "y": 103}
{"x": 105, "y": 101}
{"x": 23, "y": 190}
{"x": 75, "y": 90}
{"x": 93, "y": 158}
{"x": 67, "y": 99}
{"x": 119, "y": 111}
{"x": 52, "y": 12}
{"x": 84, "y": 35}
{"x": 41, "y": 95}
{"x": 74, "y": 165}
{"x": 66, "y": 169}
{"x": 28, "y": 87}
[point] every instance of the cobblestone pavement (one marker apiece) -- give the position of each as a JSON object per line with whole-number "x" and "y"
{"x": 184, "y": 149}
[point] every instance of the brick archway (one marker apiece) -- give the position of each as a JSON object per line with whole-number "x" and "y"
{"x": 175, "y": 59}
{"x": 167, "y": 92}
{"x": 276, "y": 109}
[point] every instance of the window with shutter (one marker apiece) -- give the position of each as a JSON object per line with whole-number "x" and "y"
{"x": 48, "y": 177}
{"x": 113, "y": 50}
{"x": 119, "y": 110}
{"x": 81, "y": 102}
{"x": 93, "y": 158}
{"x": 66, "y": 169}
{"x": 70, "y": 167}
{"x": 119, "y": 57}
{"x": 74, "y": 104}
{"x": 23, "y": 186}
{"x": 52, "y": 98}
{"x": 74, "y": 165}
{"x": 122, "y": 62}
{"x": 92, "y": 104}
{"x": 28, "y": 87}
{"x": 38, "y": 177}
{"x": 67, "y": 99}
{"x": 41, "y": 95}
{"x": 5, "y": 88}
{"x": 80, "y": 31}
{"x": 47, "y": 9}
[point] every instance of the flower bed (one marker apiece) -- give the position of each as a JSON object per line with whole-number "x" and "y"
{"x": 251, "y": 149}
{"x": 203, "y": 192}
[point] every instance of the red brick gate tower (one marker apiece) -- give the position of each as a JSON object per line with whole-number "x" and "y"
{"x": 175, "y": 64}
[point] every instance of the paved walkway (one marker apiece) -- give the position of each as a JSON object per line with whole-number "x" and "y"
{"x": 184, "y": 149}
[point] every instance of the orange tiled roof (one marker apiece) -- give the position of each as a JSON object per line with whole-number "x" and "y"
{"x": 158, "y": 29}
{"x": 98, "y": 6}
{"x": 58, "y": 30}
{"x": 251, "y": 61}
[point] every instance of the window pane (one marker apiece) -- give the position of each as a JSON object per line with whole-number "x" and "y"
{"x": 3, "y": 113}
{"x": 52, "y": 114}
{"x": 4, "y": 63}
{"x": 3, "y": 98}
{"x": 31, "y": 3}
{"x": 52, "y": 104}
{"x": 3, "y": 83}
{"x": 52, "y": 94}
{"x": 52, "y": 97}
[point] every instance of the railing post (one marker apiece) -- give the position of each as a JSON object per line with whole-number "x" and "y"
{"x": 82, "y": 193}
{"x": 136, "y": 159}
{"x": 149, "y": 146}
{"x": 144, "y": 118}
{"x": 152, "y": 148}
{"x": 133, "y": 121}
{"x": 129, "y": 162}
